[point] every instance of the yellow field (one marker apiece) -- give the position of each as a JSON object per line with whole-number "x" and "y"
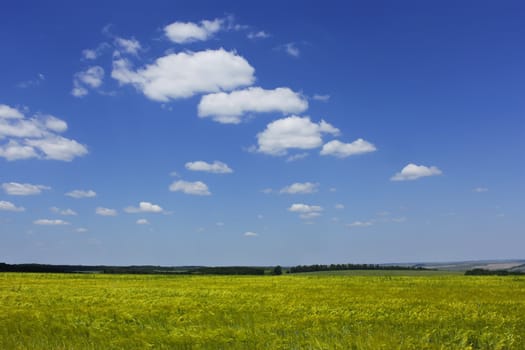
{"x": 40, "y": 311}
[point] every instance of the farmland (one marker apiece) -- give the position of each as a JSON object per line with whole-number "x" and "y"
{"x": 357, "y": 311}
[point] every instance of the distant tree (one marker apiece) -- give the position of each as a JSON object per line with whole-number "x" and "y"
{"x": 277, "y": 270}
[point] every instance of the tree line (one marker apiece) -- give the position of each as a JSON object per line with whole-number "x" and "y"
{"x": 341, "y": 267}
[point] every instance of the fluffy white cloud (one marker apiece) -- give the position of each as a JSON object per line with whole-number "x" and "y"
{"x": 231, "y": 107}
{"x": 131, "y": 46}
{"x": 414, "y": 172}
{"x": 90, "y": 78}
{"x": 105, "y": 211}
{"x": 293, "y": 132}
{"x": 36, "y": 137}
{"x": 18, "y": 189}
{"x": 342, "y": 150}
{"x": 50, "y": 222}
{"x": 297, "y": 156}
{"x": 59, "y": 148}
{"x": 8, "y": 206}
{"x": 300, "y": 188}
{"x": 215, "y": 167}
{"x": 198, "y": 188}
{"x": 306, "y": 211}
{"x": 339, "y": 206}
{"x": 81, "y": 194}
{"x": 142, "y": 222}
{"x": 7, "y": 112}
{"x": 185, "y": 32}
{"x": 360, "y": 224}
{"x": 65, "y": 212}
{"x": 89, "y": 54}
{"x": 145, "y": 207}
{"x": 250, "y": 234}
{"x": 81, "y": 230}
{"x": 182, "y": 75}
{"x": 291, "y": 49}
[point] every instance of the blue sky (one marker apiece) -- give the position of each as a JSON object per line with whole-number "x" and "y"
{"x": 222, "y": 133}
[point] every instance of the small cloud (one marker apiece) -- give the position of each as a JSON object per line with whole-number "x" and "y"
{"x": 187, "y": 32}
{"x": 480, "y": 189}
{"x": 216, "y": 167}
{"x": 322, "y": 98}
{"x": 81, "y": 230}
{"x": 339, "y": 206}
{"x": 49, "y": 222}
{"x": 295, "y": 157}
{"x": 250, "y": 234}
{"x": 145, "y": 207}
{"x": 332, "y": 189}
{"x": 105, "y": 211}
{"x": 81, "y": 194}
{"x": 197, "y": 188}
{"x": 360, "y": 224}
{"x": 90, "y": 78}
{"x": 306, "y": 211}
{"x": 267, "y": 190}
{"x": 399, "y": 220}
{"x": 291, "y": 49}
{"x": 19, "y": 189}
{"x": 219, "y": 224}
{"x": 8, "y": 206}
{"x": 65, "y": 212}
{"x": 142, "y": 222}
{"x": 258, "y": 35}
{"x": 342, "y": 150}
{"x": 300, "y": 188}
{"x": 414, "y": 172}
{"x": 174, "y": 174}
{"x": 131, "y": 46}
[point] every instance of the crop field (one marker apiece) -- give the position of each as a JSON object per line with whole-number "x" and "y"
{"x": 81, "y": 311}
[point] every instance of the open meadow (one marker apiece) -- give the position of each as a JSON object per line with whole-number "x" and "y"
{"x": 96, "y": 311}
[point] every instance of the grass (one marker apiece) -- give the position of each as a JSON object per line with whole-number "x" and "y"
{"x": 46, "y": 311}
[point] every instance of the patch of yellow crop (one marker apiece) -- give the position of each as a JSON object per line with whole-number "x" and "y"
{"x": 42, "y": 311}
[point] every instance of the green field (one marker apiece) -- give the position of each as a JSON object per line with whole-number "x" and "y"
{"x": 80, "y": 311}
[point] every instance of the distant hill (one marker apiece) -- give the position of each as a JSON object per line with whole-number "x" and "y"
{"x": 507, "y": 265}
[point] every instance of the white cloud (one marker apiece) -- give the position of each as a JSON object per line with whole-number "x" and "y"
{"x": 292, "y": 132}
{"x": 231, "y": 107}
{"x": 7, "y": 112}
{"x": 184, "y": 74}
{"x": 198, "y": 188}
{"x": 81, "y": 194}
{"x": 65, "y": 212}
{"x": 131, "y": 46}
{"x": 342, "y": 150}
{"x": 291, "y": 49}
{"x": 339, "y": 206}
{"x": 59, "y": 148}
{"x": 105, "y": 211}
{"x": 186, "y": 32}
{"x": 142, "y": 222}
{"x": 36, "y": 137}
{"x": 480, "y": 189}
{"x": 145, "y": 207}
{"x": 215, "y": 167}
{"x": 32, "y": 82}
{"x": 81, "y": 230}
{"x": 297, "y": 156}
{"x": 250, "y": 234}
{"x": 413, "y": 172}
{"x": 258, "y": 35}
{"x": 267, "y": 190}
{"x": 322, "y": 98}
{"x": 8, "y": 206}
{"x": 306, "y": 211}
{"x": 300, "y": 188}
{"x": 89, "y": 54}
{"x": 360, "y": 224}
{"x": 18, "y": 189}
{"x": 49, "y": 222}
{"x": 90, "y": 78}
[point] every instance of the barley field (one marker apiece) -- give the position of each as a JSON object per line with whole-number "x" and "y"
{"x": 81, "y": 311}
